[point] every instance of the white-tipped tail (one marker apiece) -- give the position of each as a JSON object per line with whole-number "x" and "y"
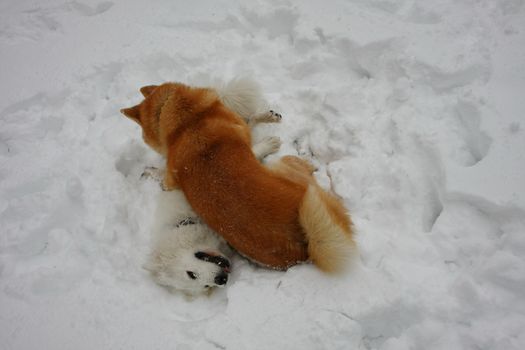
{"x": 243, "y": 96}
{"x": 328, "y": 230}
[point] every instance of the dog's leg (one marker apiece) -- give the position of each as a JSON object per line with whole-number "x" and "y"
{"x": 299, "y": 164}
{"x": 295, "y": 169}
{"x": 266, "y": 117}
{"x": 266, "y": 146}
{"x": 170, "y": 182}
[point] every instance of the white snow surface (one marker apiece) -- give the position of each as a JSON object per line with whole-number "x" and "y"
{"x": 412, "y": 111}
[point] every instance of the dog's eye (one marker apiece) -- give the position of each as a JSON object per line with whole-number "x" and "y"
{"x": 191, "y": 275}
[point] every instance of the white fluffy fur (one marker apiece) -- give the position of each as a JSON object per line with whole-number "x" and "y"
{"x": 242, "y": 95}
{"x": 329, "y": 246}
{"x": 174, "y": 247}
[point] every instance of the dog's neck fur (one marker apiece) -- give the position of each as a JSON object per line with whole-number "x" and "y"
{"x": 189, "y": 112}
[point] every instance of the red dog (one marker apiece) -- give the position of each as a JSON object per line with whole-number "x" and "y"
{"x": 275, "y": 215}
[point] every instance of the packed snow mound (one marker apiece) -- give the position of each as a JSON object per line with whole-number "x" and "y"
{"x": 412, "y": 112}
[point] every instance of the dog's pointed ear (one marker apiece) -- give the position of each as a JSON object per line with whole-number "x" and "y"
{"x": 147, "y": 90}
{"x": 132, "y": 113}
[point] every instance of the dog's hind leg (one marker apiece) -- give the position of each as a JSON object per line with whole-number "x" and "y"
{"x": 294, "y": 168}
{"x": 266, "y": 117}
{"x": 299, "y": 164}
{"x": 266, "y": 146}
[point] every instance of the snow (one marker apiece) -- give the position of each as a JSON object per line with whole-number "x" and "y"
{"x": 412, "y": 111}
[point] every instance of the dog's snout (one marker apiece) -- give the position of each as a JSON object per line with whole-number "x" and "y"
{"x": 221, "y": 279}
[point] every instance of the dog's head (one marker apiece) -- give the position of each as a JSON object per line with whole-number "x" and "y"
{"x": 192, "y": 272}
{"x": 165, "y": 109}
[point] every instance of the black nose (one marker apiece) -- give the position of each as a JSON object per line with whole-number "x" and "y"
{"x": 221, "y": 279}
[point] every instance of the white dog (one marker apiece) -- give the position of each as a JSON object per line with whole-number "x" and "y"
{"x": 187, "y": 255}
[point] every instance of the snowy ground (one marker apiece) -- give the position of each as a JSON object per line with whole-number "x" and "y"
{"x": 413, "y": 109}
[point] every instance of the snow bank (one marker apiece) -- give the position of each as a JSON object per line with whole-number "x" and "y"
{"x": 411, "y": 110}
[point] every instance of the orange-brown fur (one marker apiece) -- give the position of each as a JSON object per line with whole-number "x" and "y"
{"x": 268, "y": 214}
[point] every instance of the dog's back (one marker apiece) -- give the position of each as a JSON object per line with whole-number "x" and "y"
{"x": 255, "y": 210}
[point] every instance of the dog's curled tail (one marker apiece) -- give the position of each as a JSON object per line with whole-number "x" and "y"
{"x": 242, "y": 95}
{"x": 328, "y": 230}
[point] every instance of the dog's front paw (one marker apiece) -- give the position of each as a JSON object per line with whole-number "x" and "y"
{"x": 165, "y": 187}
{"x": 274, "y": 117}
{"x": 265, "y": 117}
{"x": 152, "y": 173}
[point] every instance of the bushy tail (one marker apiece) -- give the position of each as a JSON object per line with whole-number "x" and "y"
{"x": 328, "y": 230}
{"x": 243, "y": 96}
